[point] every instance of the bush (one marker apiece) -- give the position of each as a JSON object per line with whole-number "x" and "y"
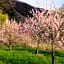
{"x": 3, "y": 47}
{"x": 59, "y": 53}
{"x": 2, "y": 17}
{"x": 21, "y": 47}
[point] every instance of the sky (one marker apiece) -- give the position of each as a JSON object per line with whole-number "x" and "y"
{"x": 42, "y": 3}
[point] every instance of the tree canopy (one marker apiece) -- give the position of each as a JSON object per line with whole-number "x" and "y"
{"x": 2, "y": 17}
{"x": 60, "y": 10}
{"x": 8, "y": 7}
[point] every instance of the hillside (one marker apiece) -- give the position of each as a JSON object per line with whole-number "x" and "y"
{"x": 16, "y": 9}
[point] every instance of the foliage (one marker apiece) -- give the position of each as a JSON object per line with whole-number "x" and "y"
{"x": 8, "y": 7}
{"x": 39, "y": 28}
{"x": 2, "y": 17}
{"x": 60, "y": 10}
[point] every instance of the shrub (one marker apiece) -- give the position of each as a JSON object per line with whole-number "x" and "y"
{"x": 2, "y": 17}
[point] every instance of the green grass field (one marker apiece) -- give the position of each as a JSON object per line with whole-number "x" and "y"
{"x": 24, "y": 55}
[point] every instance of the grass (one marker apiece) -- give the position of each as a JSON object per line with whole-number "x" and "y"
{"x": 25, "y": 55}
{"x": 22, "y": 57}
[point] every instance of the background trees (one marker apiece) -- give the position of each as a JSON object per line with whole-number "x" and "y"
{"x": 8, "y": 6}
{"x": 60, "y": 10}
{"x": 2, "y": 17}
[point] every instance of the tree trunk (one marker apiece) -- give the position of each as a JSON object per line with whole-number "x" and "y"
{"x": 10, "y": 45}
{"x": 36, "y": 51}
{"x": 52, "y": 51}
